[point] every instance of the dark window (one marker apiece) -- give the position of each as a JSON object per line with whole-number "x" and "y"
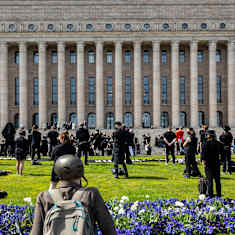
{"x": 53, "y": 57}
{"x": 184, "y": 26}
{"x": 164, "y": 90}
{"x": 17, "y": 57}
{"x": 146, "y": 120}
{"x": 183, "y": 119}
{"x": 128, "y": 26}
{"x": 70, "y": 27}
{"x": 219, "y": 117}
{"x": 92, "y": 120}
{"x": 182, "y": 90}
{"x": 91, "y": 57}
{"x": 164, "y": 120}
{"x": 218, "y": 56}
{"x": 128, "y": 56}
{"x": 219, "y": 89}
{"x": 89, "y": 27}
{"x": 73, "y": 90}
{"x": 109, "y": 57}
{"x": 16, "y": 120}
{"x": 128, "y": 120}
{"x": 108, "y": 27}
{"x": 54, "y": 118}
{"x": 164, "y": 58}
{"x": 222, "y": 26}
{"x": 146, "y": 56}
{"x": 109, "y": 121}
{"x": 165, "y": 26}
{"x": 147, "y": 26}
{"x": 35, "y": 91}
{"x": 35, "y": 119}
{"x": 73, "y": 118}
{"x": 201, "y": 118}
{"x": 203, "y": 26}
{"x": 146, "y": 90}
{"x": 35, "y": 57}
{"x": 109, "y": 90}
{"x": 73, "y": 57}
{"x": 17, "y": 91}
{"x": 182, "y": 56}
{"x": 50, "y": 27}
{"x": 128, "y": 90}
{"x": 200, "y": 56}
{"x": 200, "y": 90}
{"x": 54, "y": 90}
{"x": 91, "y": 90}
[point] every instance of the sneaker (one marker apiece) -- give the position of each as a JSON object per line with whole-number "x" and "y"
{"x": 187, "y": 177}
{"x": 166, "y": 163}
{"x": 116, "y": 177}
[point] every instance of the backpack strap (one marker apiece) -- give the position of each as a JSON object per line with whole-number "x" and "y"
{"x": 78, "y": 195}
{"x": 56, "y": 195}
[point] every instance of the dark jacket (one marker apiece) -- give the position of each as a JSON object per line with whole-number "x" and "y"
{"x": 63, "y": 149}
{"x": 91, "y": 199}
{"x": 82, "y": 135}
{"x": 36, "y": 138}
{"x": 226, "y": 139}
{"x": 52, "y": 136}
{"x": 21, "y": 146}
{"x": 119, "y": 139}
{"x": 191, "y": 147}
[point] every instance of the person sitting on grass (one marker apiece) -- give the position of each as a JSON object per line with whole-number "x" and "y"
{"x": 21, "y": 149}
{"x": 70, "y": 170}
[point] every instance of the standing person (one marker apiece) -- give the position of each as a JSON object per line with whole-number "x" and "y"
{"x": 52, "y": 139}
{"x": 180, "y": 139}
{"x": 169, "y": 139}
{"x": 118, "y": 149}
{"x": 190, "y": 149}
{"x": 83, "y": 137}
{"x": 21, "y": 150}
{"x": 9, "y": 134}
{"x": 127, "y": 143}
{"x": 30, "y": 141}
{"x": 202, "y": 134}
{"x": 226, "y": 139}
{"x": 211, "y": 158}
{"x": 36, "y": 142}
{"x": 65, "y": 147}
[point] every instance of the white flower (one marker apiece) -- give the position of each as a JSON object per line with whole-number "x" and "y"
{"x": 121, "y": 211}
{"x": 147, "y": 196}
{"x": 28, "y": 200}
{"x": 211, "y": 208}
{"x": 202, "y": 197}
{"x": 134, "y": 207}
{"x": 125, "y": 198}
{"x": 141, "y": 211}
{"x": 179, "y": 204}
{"x": 116, "y": 208}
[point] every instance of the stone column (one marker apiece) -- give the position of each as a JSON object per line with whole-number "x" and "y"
{"x": 137, "y": 85}
{"x": 99, "y": 85}
{"x": 194, "y": 83}
{"x": 118, "y": 82}
{"x": 231, "y": 83}
{"x": 61, "y": 84}
{"x": 23, "y": 78}
{"x": 3, "y": 84}
{"x": 212, "y": 84}
{"x": 80, "y": 83}
{"x": 42, "y": 74}
{"x": 175, "y": 83}
{"x": 156, "y": 84}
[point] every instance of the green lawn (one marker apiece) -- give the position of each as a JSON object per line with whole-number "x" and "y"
{"x": 150, "y": 178}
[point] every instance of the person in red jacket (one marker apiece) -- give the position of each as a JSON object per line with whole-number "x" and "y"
{"x": 180, "y": 139}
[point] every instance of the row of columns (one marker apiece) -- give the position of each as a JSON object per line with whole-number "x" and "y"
{"x": 43, "y": 110}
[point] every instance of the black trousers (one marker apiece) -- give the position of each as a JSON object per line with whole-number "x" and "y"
{"x": 213, "y": 174}
{"x": 85, "y": 151}
{"x": 36, "y": 150}
{"x": 170, "y": 151}
{"x": 227, "y": 167}
{"x": 124, "y": 168}
{"x": 191, "y": 165}
{"x": 51, "y": 148}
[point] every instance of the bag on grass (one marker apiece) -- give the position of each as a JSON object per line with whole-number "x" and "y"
{"x": 203, "y": 186}
{"x": 67, "y": 217}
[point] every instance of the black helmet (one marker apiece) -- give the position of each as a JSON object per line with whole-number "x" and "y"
{"x": 227, "y": 128}
{"x": 68, "y": 167}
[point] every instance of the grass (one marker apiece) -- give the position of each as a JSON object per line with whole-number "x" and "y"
{"x": 149, "y": 178}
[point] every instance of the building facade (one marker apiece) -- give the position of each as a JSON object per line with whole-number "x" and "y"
{"x": 146, "y": 63}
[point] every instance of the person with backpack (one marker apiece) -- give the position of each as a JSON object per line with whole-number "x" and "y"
{"x": 71, "y": 208}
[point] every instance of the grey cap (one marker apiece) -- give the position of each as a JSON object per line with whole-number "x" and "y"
{"x": 68, "y": 167}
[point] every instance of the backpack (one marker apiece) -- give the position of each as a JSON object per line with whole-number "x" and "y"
{"x": 67, "y": 217}
{"x": 203, "y": 186}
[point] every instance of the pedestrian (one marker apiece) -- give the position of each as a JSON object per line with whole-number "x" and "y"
{"x": 36, "y": 142}
{"x": 9, "y": 135}
{"x": 52, "y": 139}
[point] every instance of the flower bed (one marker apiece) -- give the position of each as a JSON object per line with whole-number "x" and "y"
{"x": 202, "y": 216}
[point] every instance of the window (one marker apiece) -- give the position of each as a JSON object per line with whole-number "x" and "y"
{"x": 165, "y": 26}
{"x": 54, "y": 118}
{"x": 109, "y": 57}
{"x": 17, "y": 57}
{"x": 146, "y": 120}
{"x": 146, "y": 90}
{"x": 182, "y": 56}
{"x": 146, "y": 56}
{"x": 35, "y": 119}
{"x": 182, "y": 90}
{"x": 73, "y": 90}
{"x": 89, "y": 27}
{"x": 184, "y": 26}
{"x": 91, "y": 90}
{"x": 16, "y": 120}
{"x": 203, "y": 26}
{"x": 219, "y": 118}
{"x": 35, "y": 57}
{"x": 109, "y": 90}
{"x": 50, "y": 27}
{"x": 72, "y": 57}
{"x": 108, "y": 27}
{"x": 128, "y": 56}
{"x": 164, "y": 120}
{"x": 200, "y": 90}
{"x": 128, "y": 26}
{"x": 73, "y": 118}
{"x": 17, "y": 91}
{"x": 183, "y": 119}
{"x": 164, "y": 58}
{"x": 54, "y": 90}
{"x": 92, "y": 120}
{"x": 200, "y": 56}
{"x": 201, "y": 118}
{"x": 109, "y": 121}
{"x": 219, "y": 89}
{"x": 128, "y": 120}
{"x": 54, "y": 57}
{"x": 164, "y": 90}
{"x": 218, "y": 56}
{"x": 35, "y": 91}
{"x": 222, "y": 26}
{"x": 69, "y": 27}
{"x": 147, "y": 26}
{"x": 91, "y": 57}
{"x": 128, "y": 90}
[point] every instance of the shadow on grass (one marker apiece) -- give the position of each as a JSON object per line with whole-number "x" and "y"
{"x": 147, "y": 178}
{"x": 38, "y": 174}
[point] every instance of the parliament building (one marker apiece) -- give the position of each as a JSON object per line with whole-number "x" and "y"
{"x": 148, "y": 63}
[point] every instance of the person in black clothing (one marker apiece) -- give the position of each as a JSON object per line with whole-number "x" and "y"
{"x": 190, "y": 150}
{"x": 169, "y": 139}
{"x": 83, "y": 137}
{"x": 9, "y": 134}
{"x": 211, "y": 159}
{"x": 44, "y": 146}
{"x": 36, "y": 142}
{"x": 30, "y": 141}
{"x": 127, "y": 143}
{"x": 62, "y": 149}
{"x": 202, "y": 134}
{"x": 21, "y": 149}
{"x": 119, "y": 149}
{"x": 226, "y": 139}
{"x": 52, "y": 139}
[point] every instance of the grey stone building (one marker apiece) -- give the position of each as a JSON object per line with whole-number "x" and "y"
{"x": 148, "y": 63}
